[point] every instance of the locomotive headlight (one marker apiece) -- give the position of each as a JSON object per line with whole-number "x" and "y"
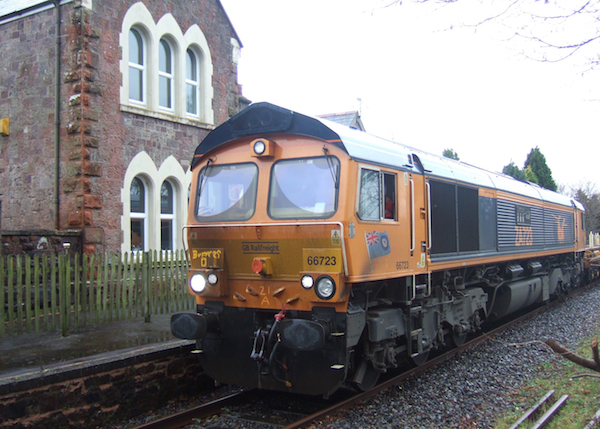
{"x": 307, "y": 281}
{"x": 259, "y": 147}
{"x": 198, "y": 282}
{"x": 325, "y": 288}
{"x": 212, "y": 279}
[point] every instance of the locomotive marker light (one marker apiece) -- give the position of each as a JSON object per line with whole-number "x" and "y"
{"x": 262, "y": 148}
{"x": 198, "y": 282}
{"x": 325, "y": 288}
{"x": 259, "y": 147}
{"x": 307, "y": 281}
{"x": 212, "y": 279}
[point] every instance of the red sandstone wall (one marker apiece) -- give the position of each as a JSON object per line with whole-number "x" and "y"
{"x": 27, "y": 67}
{"x": 97, "y": 139}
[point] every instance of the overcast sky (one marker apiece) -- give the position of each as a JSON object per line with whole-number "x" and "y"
{"x": 420, "y": 84}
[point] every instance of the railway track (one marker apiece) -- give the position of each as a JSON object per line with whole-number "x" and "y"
{"x": 243, "y": 406}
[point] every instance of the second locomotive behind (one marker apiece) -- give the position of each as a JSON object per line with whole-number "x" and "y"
{"x": 322, "y": 256}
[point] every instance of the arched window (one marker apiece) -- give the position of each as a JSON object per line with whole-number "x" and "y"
{"x": 165, "y": 75}
{"x": 191, "y": 83}
{"x": 137, "y": 67}
{"x": 167, "y": 216}
{"x": 138, "y": 215}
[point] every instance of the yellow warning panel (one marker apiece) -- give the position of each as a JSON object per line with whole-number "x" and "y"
{"x": 336, "y": 239}
{"x": 4, "y": 126}
{"x": 324, "y": 260}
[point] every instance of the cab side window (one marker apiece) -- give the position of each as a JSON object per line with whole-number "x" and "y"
{"x": 389, "y": 192}
{"x": 377, "y": 195}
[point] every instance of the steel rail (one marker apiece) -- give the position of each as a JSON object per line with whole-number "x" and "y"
{"x": 531, "y": 411}
{"x": 550, "y": 413}
{"x": 186, "y": 417}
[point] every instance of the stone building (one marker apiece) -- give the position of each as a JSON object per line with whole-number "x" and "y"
{"x": 104, "y": 103}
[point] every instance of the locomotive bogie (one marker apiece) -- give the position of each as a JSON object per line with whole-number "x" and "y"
{"x": 321, "y": 257}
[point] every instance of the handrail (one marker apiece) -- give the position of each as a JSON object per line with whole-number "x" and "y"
{"x": 412, "y": 215}
{"x": 428, "y": 215}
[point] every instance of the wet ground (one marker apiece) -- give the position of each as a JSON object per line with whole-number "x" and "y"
{"x": 22, "y": 353}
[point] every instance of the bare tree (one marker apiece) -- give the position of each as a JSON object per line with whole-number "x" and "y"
{"x": 587, "y": 195}
{"x": 553, "y": 29}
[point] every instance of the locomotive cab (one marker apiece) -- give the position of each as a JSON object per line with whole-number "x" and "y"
{"x": 268, "y": 265}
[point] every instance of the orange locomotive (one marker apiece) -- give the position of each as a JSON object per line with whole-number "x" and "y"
{"x": 322, "y": 256}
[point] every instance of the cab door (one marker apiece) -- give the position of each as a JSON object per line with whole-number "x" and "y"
{"x": 390, "y": 220}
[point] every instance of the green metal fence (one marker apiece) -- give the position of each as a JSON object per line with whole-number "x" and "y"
{"x": 60, "y": 292}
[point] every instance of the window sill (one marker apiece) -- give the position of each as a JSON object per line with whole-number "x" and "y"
{"x": 165, "y": 117}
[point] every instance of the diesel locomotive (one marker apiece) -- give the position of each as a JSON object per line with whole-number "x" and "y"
{"x": 322, "y": 257}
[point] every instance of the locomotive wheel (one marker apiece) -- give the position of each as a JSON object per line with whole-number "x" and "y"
{"x": 366, "y": 377}
{"x": 419, "y": 360}
{"x": 459, "y": 339}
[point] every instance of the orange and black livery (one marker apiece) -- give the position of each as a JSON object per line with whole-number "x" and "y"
{"x": 322, "y": 256}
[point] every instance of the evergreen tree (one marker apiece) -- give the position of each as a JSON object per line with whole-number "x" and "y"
{"x": 514, "y": 171}
{"x": 449, "y": 153}
{"x": 537, "y": 161}
{"x": 530, "y": 175}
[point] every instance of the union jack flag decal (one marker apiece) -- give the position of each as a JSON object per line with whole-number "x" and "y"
{"x": 378, "y": 244}
{"x": 372, "y": 238}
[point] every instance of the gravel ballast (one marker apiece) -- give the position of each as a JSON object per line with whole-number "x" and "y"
{"x": 472, "y": 389}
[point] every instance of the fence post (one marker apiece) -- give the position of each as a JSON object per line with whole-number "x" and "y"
{"x": 145, "y": 286}
{"x": 61, "y": 291}
{"x": 118, "y": 284}
{"x": 53, "y": 310}
{"x": 76, "y": 291}
{"x": 45, "y": 293}
{"x": 111, "y": 287}
{"x": 105, "y": 289}
{"x": 64, "y": 295}
{"x": 19, "y": 287}
{"x": 2, "y": 298}
{"x": 138, "y": 302}
{"x": 36, "y": 292}
{"x": 11, "y": 295}
{"x": 27, "y": 298}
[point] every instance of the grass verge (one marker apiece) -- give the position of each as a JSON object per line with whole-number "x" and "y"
{"x": 584, "y": 394}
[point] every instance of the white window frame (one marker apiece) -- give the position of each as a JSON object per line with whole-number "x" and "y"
{"x": 169, "y": 76}
{"x": 143, "y": 167}
{"x": 139, "y": 18}
{"x": 172, "y": 217}
{"x": 139, "y": 67}
{"x": 193, "y": 82}
{"x": 141, "y": 215}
